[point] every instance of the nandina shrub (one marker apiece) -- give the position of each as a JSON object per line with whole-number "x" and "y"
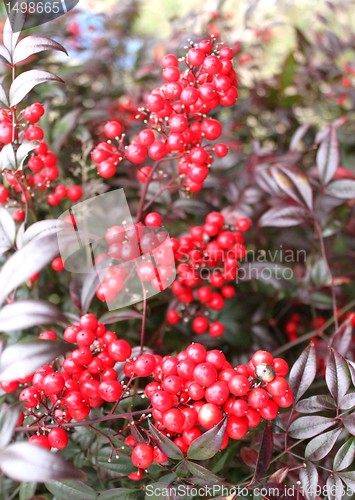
{"x": 189, "y": 388}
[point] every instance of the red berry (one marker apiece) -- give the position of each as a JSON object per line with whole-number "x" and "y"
{"x": 58, "y": 438}
{"x": 200, "y": 325}
{"x": 142, "y": 455}
{"x": 75, "y": 193}
{"x": 34, "y": 133}
{"x": 4, "y": 194}
{"x": 153, "y": 219}
{"x": 40, "y": 440}
{"x": 57, "y": 264}
{"x": 110, "y": 390}
{"x": 209, "y": 415}
{"x": 113, "y": 129}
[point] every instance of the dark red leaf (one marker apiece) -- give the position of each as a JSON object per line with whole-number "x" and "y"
{"x": 303, "y": 372}
{"x": 207, "y": 445}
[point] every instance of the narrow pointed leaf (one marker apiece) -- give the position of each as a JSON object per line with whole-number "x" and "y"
{"x": 27, "y": 261}
{"x": 335, "y": 488}
{"x": 328, "y": 156}
{"x": 308, "y": 427}
{"x": 341, "y": 339}
{"x": 26, "y": 313}
{"x": 33, "y": 45}
{"x": 320, "y": 446}
{"x": 201, "y": 472}
{"x": 65, "y": 490}
{"x": 309, "y": 480}
{"x": 284, "y": 216}
{"x": 303, "y": 372}
{"x": 349, "y": 422}
{"x": 24, "y": 83}
{"x": 337, "y": 375}
{"x": 207, "y": 445}
{"x": 8, "y": 225}
{"x": 8, "y": 420}
{"x": 165, "y": 444}
{"x": 349, "y": 479}
{"x": 342, "y": 188}
{"x": 315, "y": 404}
{"x": 345, "y": 455}
{"x": 4, "y": 101}
{"x": 265, "y": 452}
{"x": 22, "y": 359}
{"x": 27, "y": 462}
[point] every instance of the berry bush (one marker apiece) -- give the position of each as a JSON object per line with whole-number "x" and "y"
{"x": 234, "y": 376}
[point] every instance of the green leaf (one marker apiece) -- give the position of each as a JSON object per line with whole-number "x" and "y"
{"x": 201, "y": 472}
{"x": 119, "y": 493}
{"x": 8, "y": 419}
{"x": 165, "y": 444}
{"x": 345, "y": 455}
{"x": 207, "y": 445}
{"x": 303, "y": 372}
{"x": 308, "y": 427}
{"x": 320, "y": 446}
{"x": 27, "y": 490}
{"x": 75, "y": 490}
{"x": 337, "y": 375}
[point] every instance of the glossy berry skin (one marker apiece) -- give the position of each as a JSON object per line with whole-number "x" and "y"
{"x": 74, "y": 193}
{"x": 153, "y": 219}
{"x": 57, "y": 264}
{"x": 4, "y": 194}
{"x": 110, "y": 391}
{"x": 142, "y": 455}
{"x": 40, "y": 440}
{"x": 113, "y": 129}
{"x": 58, "y": 438}
{"x": 209, "y": 415}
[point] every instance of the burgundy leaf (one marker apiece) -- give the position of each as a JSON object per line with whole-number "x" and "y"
{"x": 27, "y": 462}
{"x": 335, "y": 487}
{"x": 115, "y": 316}
{"x": 24, "y": 83}
{"x": 340, "y": 340}
{"x": 265, "y": 452}
{"x": 321, "y": 445}
{"x": 8, "y": 420}
{"x": 309, "y": 480}
{"x": 5, "y": 55}
{"x": 207, "y": 445}
{"x": 328, "y": 156}
{"x": 300, "y": 183}
{"x": 89, "y": 286}
{"x": 298, "y": 136}
{"x": 201, "y": 472}
{"x": 284, "y": 216}
{"x": 27, "y": 261}
{"x": 342, "y": 188}
{"x": 165, "y": 444}
{"x": 34, "y": 44}
{"x": 308, "y": 427}
{"x": 303, "y": 372}
{"x": 279, "y": 476}
{"x": 315, "y": 404}
{"x": 42, "y": 228}
{"x": 22, "y": 359}
{"x": 347, "y": 402}
{"x": 26, "y": 313}
{"x": 3, "y": 97}
{"x": 249, "y": 456}
{"x": 345, "y": 455}
{"x": 7, "y": 225}
{"x": 349, "y": 422}
{"x": 349, "y": 479}
{"x": 337, "y": 375}
{"x": 285, "y": 184}
{"x": 9, "y": 37}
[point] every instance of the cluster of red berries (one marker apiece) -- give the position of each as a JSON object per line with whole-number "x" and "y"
{"x": 68, "y": 390}
{"x": 207, "y": 261}
{"x": 176, "y": 119}
{"x": 124, "y": 245}
{"x": 42, "y": 163}
{"x": 196, "y": 389}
